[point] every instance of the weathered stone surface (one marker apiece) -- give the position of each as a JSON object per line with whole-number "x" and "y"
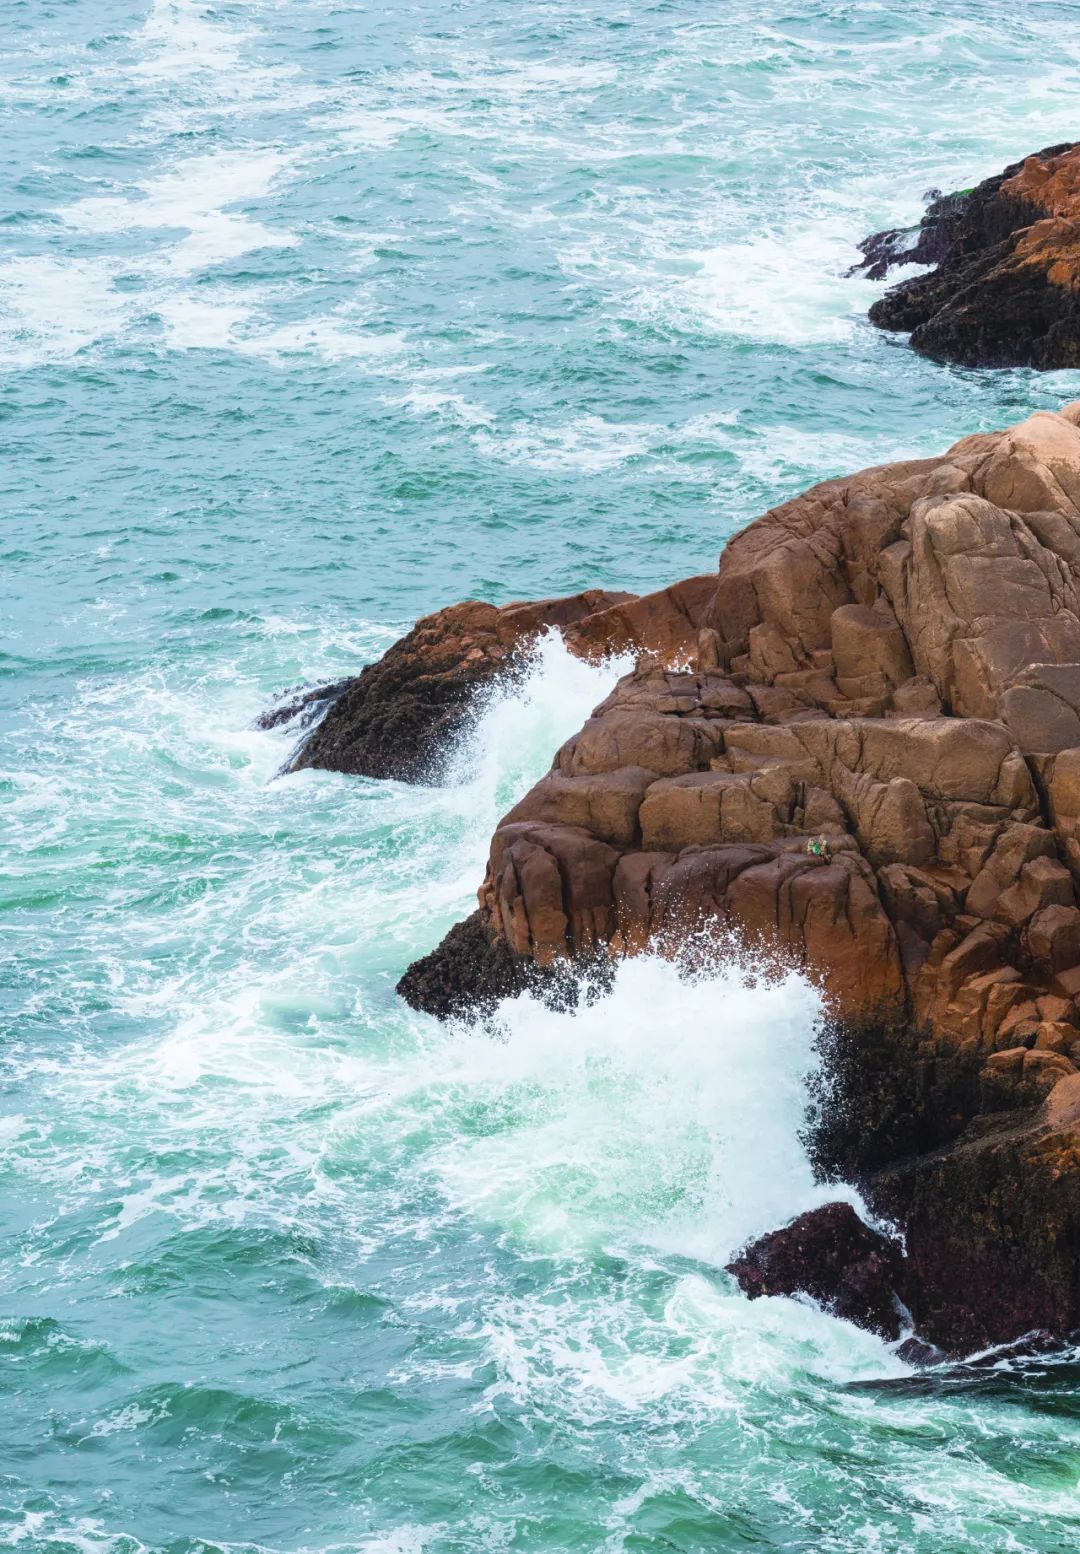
{"x": 301, "y": 706}
{"x": 832, "y": 1256}
{"x": 1006, "y": 287}
{"x": 864, "y": 761}
{"x": 468, "y": 972}
{"x": 927, "y": 243}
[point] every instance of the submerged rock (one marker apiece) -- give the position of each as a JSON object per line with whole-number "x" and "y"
{"x": 836, "y": 1259}
{"x": 1006, "y": 288}
{"x": 870, "y": 769}
{"x": 917, "y": 1352}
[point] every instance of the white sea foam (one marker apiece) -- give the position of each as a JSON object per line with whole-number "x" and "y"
{"x": 333, "y": 336}
{"x": 219, "y": 319}
{"x": 202, "y": 322}
{"x": 192, "y": 195}
{"x": 375, "y": 127}
{"x": 663, "y": 1119}
{"x": 785, "y": 286}
{"x": 51, "y": 308}
{"x": 456, "y": 408}
{"x": 669, "y": 1111}
{"x": 184, "y": 38}
{"x": 470, "y": 75}
{"x": 519, "y": 724}
{"x": 588, "y": 443}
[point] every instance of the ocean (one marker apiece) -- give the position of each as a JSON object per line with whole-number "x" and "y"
{"x": 315, "y": 317}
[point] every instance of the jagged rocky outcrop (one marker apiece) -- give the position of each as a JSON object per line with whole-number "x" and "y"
{"x": 399, "y": 716}
{"x": 836, "y": 1259}
{"x": 1006, "y": 287}
{"x": 871, "y": 769}
{"x": 302, "y": 705}
{"x": 927, "y": 243}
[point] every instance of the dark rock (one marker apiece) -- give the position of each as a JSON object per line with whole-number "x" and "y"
{"x": 302, "y": 707}
{"x": 466, "y": 974}
{"x": 1035, "y": 1345}
{"x": 1006, "y": 287}
{"x": 917, "y": 1352}
{"x": 400, "y": 717}
{"x": 927, "y": 243}
{"x": 992, "y": 1224}
{"x": 832, "y": 1256}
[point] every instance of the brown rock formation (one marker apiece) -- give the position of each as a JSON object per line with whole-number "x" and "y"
{"x": 398, "y": 717}
{"x": 872, "y": 770}
{"x": 1006, "y": 290}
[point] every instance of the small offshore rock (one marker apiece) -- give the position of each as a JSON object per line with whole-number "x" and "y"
{"x": 917, "y": 1352}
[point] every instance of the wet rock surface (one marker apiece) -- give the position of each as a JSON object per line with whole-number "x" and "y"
{"x": 836, "y": 1259}
{"x": 469, "y": 973}
{"x": 1006, "y": 287}
{"x": 870, "y": 769}
{"x": 301, "y": 706}
{"x": 400, "y": 716}
{"x": 927, "y": 243}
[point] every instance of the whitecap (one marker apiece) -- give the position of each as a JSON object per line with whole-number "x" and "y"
{"x": 588, "y": 443}
{"x": 456, "y": 408}
{"x": 184, "y": 38}
{"x": 192, "y": 195}
{"x": 52, "y": 308}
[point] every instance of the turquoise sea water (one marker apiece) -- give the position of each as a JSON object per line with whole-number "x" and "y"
{"x": 314, "y": 317}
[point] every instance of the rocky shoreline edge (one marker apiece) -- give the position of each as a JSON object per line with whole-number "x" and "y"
{"x": 856, "y": 747}
{"x": 1004, "y": 290}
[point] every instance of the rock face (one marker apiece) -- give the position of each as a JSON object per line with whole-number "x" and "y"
{"x": 1006, "y": 290}
{"x": 399, "y": 716}
{"x": 830, "y": 1255}
{"x": 992, "y": 1220}
{"x": 871, "y": 769}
